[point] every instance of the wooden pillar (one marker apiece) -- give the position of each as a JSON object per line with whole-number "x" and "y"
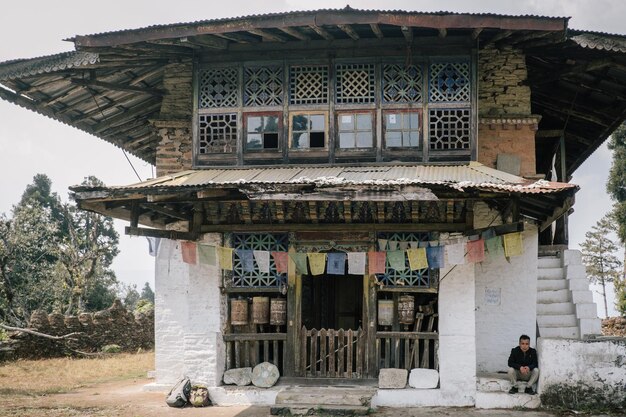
{"x": 561, "y": 233}
{"x": 294, "y": 316}
{"x": 370, "y": 319}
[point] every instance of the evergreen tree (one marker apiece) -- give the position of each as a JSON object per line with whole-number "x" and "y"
{"x": 599, "y": 257}
{"x": 147, "y": 293}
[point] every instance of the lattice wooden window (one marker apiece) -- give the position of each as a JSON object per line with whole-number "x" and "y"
{"x": 308, "y": 130}
{"x": 419, "y": 278}
{"x": 263, "y": 86}
{"x": 219, "y": 87}
{"x": 449, "y": 82}
{"x": 402, "y": 129}
{"x": 449, "y": 129}
{"x": 258, "y": 241}
{"x": 402, "y": 84}
{"x": 355, "y": 130}
{"x": 308, "y": 84}
{"x": 355, "y": 83}
{"x": 217, "y": 133}
{"x": 262, "y": 131}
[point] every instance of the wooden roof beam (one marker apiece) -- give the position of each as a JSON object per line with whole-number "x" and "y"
{"x": 407, "y": 31}
{"x": 291, "y": 31}
{"x": 498, "y": 37}
{"x": 118, "y": 87}
{"x": 128, "y": 114}
{"x": 322, "y": 32}
{"x": 443, "y": 32}
{"x": 205, "y": 41}
{"x": 554, "y": 133}
{"x": 376, "y": 29}
{"x": 476, "y": 33}
{"x": 238, "y": 37}
{"x": 267, "y": 36}
{"x": 349, "y": 31}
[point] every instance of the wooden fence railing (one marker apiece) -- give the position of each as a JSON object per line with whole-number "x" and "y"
{"x": 250, "y": 349}
{"x": 407, "y": 350}
{"x": 332, "y": 353}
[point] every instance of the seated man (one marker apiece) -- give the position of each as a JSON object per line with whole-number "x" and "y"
{"x": 523, "y": 365}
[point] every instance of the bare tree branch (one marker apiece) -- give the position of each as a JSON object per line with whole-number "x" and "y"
{"x": 34, "y": 333}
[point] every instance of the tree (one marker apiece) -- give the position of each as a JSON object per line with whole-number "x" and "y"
{"x": 598, "y": 251}
{"x": 620, "y": 296}
{"x": 147, "y": 293}
{"x": 130, "y": 296}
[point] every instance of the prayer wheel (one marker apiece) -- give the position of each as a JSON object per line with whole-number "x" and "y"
{"x": 385, "y": 312}
{"x": 260, "y": 310}
{"x": 239, "y": 312}
{"x": 406, "y": 309}
{"x": 278, "y": 311}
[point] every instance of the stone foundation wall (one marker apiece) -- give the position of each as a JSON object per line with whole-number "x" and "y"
{"x": 113, "y": 326}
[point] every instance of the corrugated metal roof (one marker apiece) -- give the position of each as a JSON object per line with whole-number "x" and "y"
{"x": 460, "y": 177}
{"x": 45, "y": 64}
{"x": 603, "y": 42}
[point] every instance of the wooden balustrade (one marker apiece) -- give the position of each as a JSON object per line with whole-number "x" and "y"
{"x": 332, "y": 353}
{"x": 407, "y": 350}
{"x": 250, "y": 349}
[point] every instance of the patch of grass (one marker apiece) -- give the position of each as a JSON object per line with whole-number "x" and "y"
{"x": 49, "y": 376}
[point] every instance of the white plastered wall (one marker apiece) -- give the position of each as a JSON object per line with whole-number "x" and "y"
{"x": 498, "y": 326}
{"x": 188, "y": 324}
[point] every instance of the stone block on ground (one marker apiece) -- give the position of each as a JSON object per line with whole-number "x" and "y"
{"x": 423, "y": 378}
{"x": 238, "y": 376}
{"x": 265, "y": 375}
{"x": 392, "y": 378}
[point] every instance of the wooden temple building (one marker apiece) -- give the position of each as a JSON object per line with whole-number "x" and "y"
{"x": 342, "y": 131}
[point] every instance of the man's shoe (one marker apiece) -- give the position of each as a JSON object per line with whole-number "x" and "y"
{"x": 513, "y": 390}
{"x": 530, "y": 391}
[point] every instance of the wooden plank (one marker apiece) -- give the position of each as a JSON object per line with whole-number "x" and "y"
{"x": 378, "y": 352}
{"x": 168, "y": 234}
{"x": 255, "y": 347}
{"x": 246, "y": 353}
{"x": 303, "y": 355}
{"x": 295, "y": 33}
{"x": 426, "y": 355}
{"x": 292, "y": 358}
{"x": 409, "y": 290}
{"x": 276, "y": 355}
{"x": 322, "y": 32}
{"x": 237, "y": 354}
{"x": 323, "y": 363}
{"x": 387, "y": 352}
{"x": 360, "y": 354}
{"x": 407, "y": 354}
{"x": 350, "y": 337}
{"x": 118, "y": 87}
{"x": 396, "y": 353}
{"x": 341, "y": 344}
{"x": 254, "y": 336}
{"x": 229, "y": 355}
{"x": 313, "y": 362}
{"x": 266, "y": 351}
{"x": 331, "y": 353}
{"x": 437, "y": 354}
{"x": 347, "y": 29}
{"x": 267, "y": 36}
{"x": 376, "y": 29}
{"x": 408, "y": 335}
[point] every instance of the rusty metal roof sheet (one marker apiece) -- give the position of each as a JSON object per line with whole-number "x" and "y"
{"x": 45, "y": 64}
{"x": 601, "y": 41}
{"x": 459, "y": 177}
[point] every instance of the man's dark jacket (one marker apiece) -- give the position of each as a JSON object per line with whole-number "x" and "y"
{"x": 519, "y": 358}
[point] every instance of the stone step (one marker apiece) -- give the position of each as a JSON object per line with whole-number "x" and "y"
{"x": 550, "y": 273}
{"x": 313, "y": 396}
{"x": 549, "y": 262}
{"x": 492, "y": 382}
{"x": 578, "y": 284}
{"x": 586, "y": 311}
{"x": 506, "y": 401}
{"x": 551, "y": 284}
{"x": 559, "y": 332}
{"x": 558, "y": 296}
{"x": 590, "y": 326}
{"x": 555, "y": 308}
{"x": 566, "y": 320}
{"x": 321, "y": 410}
{"x": 582, "y": 297}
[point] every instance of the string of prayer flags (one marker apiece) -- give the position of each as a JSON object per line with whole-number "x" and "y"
{"x": 188, "y": 250}
{"x": 280, "y": 261}
{"x": 300, "y": 260}
{"x": 262, "y": 258}
{"x": 417, "y": 258}
{"x": 207, "y": 254}
{"x": 494, "y": 245}
{"x": 396, "y": 260}
{"x": 356, "y": 263}
{"x": 476, "y": 251}
{"x": 225, "y": 256}
{"x": 488, "y": 234}
{"x": 434, "y": 255}
{"x": 456, "y": 253}
{"x": 336, "y": 263}
{"x": 377, "y": 262}
{"x": 513, "y": 244}
{"x": 317, "y": 262}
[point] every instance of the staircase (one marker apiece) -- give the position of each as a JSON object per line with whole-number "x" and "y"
{"x": 328, "y": 400}
{"x": 565, "y": 307}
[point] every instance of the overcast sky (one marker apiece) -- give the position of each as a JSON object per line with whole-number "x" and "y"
{"x": 31, "y": 144}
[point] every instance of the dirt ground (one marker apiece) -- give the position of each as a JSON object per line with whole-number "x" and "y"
{"x": 126, "y": 399}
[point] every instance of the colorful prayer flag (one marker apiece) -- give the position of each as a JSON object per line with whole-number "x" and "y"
{"x": 225, "y": 256}
{"x": 434, "y": 254}
{"x": 336, "y": 263}
{"x": 280, "y": 261}
{"x": 403, "y": 245}
{"x": 188, "y": 250}
{"x": 414, "y": 245}
{"x": 396, "y": 260}
{"x": 456, "y": 253}
{"x": 356, "y": 263}
{"x": 393, "y": 245}
{"x": 246, "y": 258}
{"x": 494, "y": 245}
{"x": 317, "y": 263}
{"x": 262, "y": 258}
{"x": 377, "y": 262}
{"x": 476, "y": 251}
{"x": 382, "y": 244}
{"x": 417, "y": 258}
{"x": 300, "y": 260}
{"x": 513, "y": 244}
{"x": 488, "y": 234}
{"x": 207, "y": 254}
{"x": 153, "y": 245}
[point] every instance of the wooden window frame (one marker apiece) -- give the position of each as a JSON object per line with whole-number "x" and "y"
{"x": 278, "y": 115}
{"x": 345, "y": 112}
{"x": 326, "y": 131}
{"x": 420, "y": 130}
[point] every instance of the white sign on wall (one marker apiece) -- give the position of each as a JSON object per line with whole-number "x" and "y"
{"x": 492, "y": 296}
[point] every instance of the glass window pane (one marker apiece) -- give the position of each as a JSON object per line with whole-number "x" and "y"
{"x": 255, "y": 141}
{"x": 317, "y": 122}
{"x": 300, "y": 140}
{"x": 270, "y": 140}
{"x": 346, "y": 122}
{"x": 394, "y": 120}
{"x": 317, "y": 139}
{"x": 364, "y": 140}
{"x": 413, "y": 121}
{"x": 393, "y": 139}
{"x": 271, "y": 124}
{"x": 346, "y": 140}
{"x": 411, "y": 138}
{"x": 254, "y": 124}
{"x": 300, "y": 122}
{"x": 364, "y": 121}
